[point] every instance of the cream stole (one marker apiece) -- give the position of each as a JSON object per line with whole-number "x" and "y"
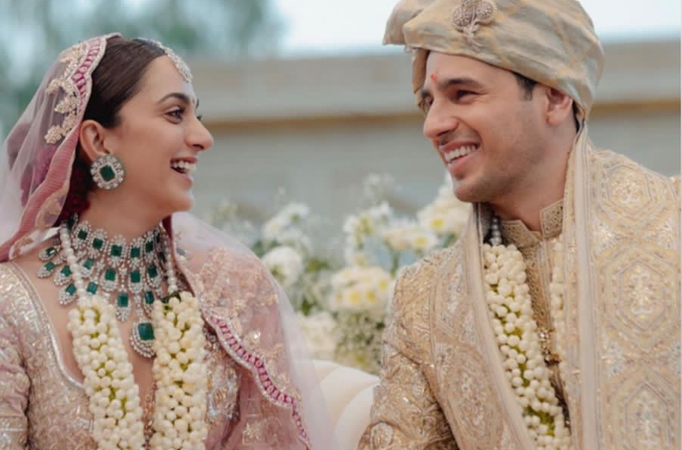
{"x": 621, "y": 266}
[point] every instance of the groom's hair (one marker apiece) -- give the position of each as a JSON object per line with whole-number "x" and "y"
{"x": 526, "y": 84}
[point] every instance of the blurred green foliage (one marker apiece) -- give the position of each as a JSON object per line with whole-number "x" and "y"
{"x": 33, "y": 32}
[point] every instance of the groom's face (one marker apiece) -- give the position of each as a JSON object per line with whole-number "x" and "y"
{"x": 489, "y": 132}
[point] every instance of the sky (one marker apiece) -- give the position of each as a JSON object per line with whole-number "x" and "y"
{"x": 314, "y": 27}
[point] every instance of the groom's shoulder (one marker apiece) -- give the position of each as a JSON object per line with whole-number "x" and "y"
{"x": 618, "y": 170}
{"x": 614, "y": 163}
{"x": 428, "y": 267}
{"x": 411, "y": 301}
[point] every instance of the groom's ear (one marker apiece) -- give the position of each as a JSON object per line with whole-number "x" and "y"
{"x": 559, "y": 106}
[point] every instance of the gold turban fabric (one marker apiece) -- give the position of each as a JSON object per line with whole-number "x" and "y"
{"x": 552, "y": 42}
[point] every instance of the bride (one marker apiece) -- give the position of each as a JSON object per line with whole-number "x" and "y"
{"x": 125, "y": 323}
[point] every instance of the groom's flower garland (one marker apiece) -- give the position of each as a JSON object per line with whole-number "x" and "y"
{"x": 179, "y": 369}
{"x": 556, "y": 290}
{"x": 511, "y": 312}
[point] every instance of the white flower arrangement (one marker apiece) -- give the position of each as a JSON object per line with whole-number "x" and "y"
{"x": 360, "y": 229}
{"x": 285, "y": 227}
{"x": 408, "y": 236}
{"x": 359, "y": 298}
{"x": 285, "y": 247}
{"x": 353, "y": 286}
{"x": 511, "y": 313}
{"x": 446, "y": 215}
{"x": 320, "y": 330}
{"x": 285, "y": 264}
{"x": 361, "y": 289}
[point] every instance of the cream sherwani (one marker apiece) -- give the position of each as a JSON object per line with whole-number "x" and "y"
{"x": 443, "y": 384}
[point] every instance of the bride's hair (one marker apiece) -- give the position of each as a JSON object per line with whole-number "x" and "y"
{"x": 115, "y": 81}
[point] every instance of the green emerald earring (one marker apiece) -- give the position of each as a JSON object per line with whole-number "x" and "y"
{"x": 107, "y": 172}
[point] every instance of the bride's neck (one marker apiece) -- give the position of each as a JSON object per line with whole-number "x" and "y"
{"x": 127, "y": 223}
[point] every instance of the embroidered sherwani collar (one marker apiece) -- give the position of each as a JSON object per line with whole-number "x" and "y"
{"x": 516, "y": 232}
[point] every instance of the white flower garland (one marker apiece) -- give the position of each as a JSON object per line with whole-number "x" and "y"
{"x": 179, "y": 369}
{"x": 180, "y": 374}
{"x": 108, "y": 376}
{"x": 511, "y": 312}
{"x": 556, "y": 290}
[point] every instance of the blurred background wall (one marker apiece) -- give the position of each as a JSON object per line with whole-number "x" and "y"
{"x": 317, "y": 127}
{"x": 300, "y": 95}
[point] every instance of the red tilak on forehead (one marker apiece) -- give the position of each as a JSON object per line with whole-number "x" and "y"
{"x": 434, "y": 77}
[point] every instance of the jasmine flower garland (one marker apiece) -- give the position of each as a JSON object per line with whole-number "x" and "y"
{"x": 179, "y": 369}
{"x": 511, "y": 313}
{"x": 556, "y": 290}
{"x": 180, "y": 374}
{"x": 108, "y": 376}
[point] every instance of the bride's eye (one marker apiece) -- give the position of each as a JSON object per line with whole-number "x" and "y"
{"x": 176, "y": 113}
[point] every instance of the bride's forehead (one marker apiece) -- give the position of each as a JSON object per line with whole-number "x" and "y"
{"x": 162, "y": 70}
{"x": 162, "y": 78}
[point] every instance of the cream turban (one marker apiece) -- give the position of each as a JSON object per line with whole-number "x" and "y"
{"x": 550, "y": 41}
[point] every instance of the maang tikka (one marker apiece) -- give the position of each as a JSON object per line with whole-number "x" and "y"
{"x": 107, "y": 172}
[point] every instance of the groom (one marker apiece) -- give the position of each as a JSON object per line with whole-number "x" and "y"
{"x": 554, "y": 322}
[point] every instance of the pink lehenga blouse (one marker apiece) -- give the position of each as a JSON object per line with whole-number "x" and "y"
{"x": 254, "y": 395}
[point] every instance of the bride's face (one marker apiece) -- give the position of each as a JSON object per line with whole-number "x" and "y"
{"x": 159, "y": 139}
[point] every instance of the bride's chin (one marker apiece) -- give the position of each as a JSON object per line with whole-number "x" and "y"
{"x": 184, "y": 204}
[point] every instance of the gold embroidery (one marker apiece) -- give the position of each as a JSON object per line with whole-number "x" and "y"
{"x": 224, "y": 381}
{"x": 50, "y": 400}
{"x": 406, "y": 412}
{"x": 68, "y": 105}
{"x": 381, "y": 435}
{"x": 627, "y": 189}
{"x": 640, "y": 294}
{"x": 263, "y": 428}
{"x": 253, "y": 432}
{"x": 470, "y": 15}
{"x": 469, "y": 391}
{"x": 51, "y": 208}
{"x": 630, "y": 305}
{"x": 14, "y": 382}
{"x": 621, "y": 374}
{"x": 241, "y": 306}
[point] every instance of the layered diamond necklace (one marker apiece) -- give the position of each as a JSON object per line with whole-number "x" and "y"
{"x": 128, "y": 273}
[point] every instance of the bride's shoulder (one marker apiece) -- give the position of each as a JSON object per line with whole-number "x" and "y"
{"x": 219, "y": 258}
{"x": 14, "y": 296}
{"x": 29, "y": 263}
{"x": 18, "y": 276}
{"x": 8, "y": 276}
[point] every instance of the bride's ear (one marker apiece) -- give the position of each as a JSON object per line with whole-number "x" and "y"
{"x": 91, "y": 138}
